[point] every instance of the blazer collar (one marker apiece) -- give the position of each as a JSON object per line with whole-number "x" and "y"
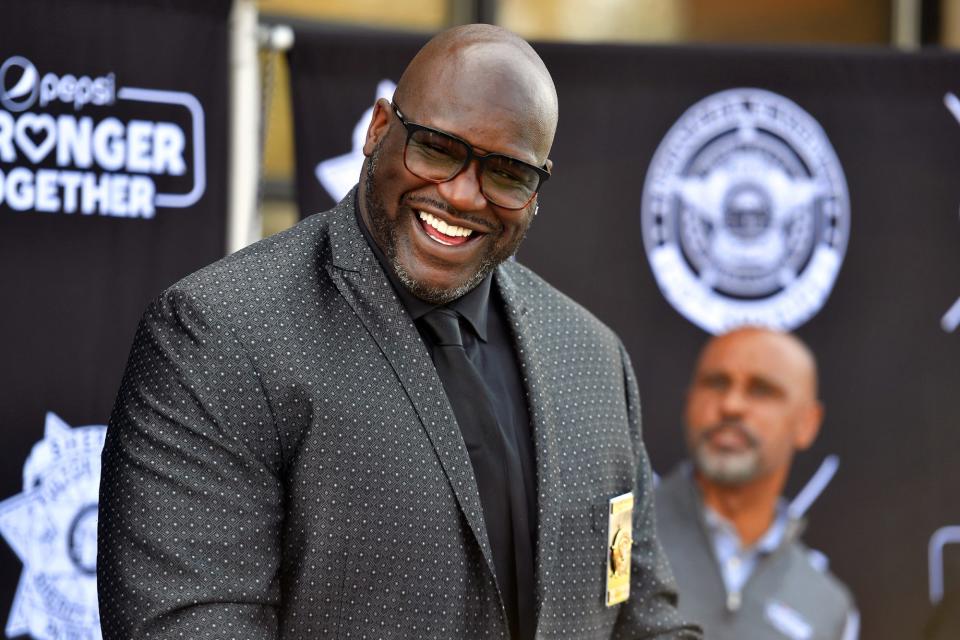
{"x": 527, "y": 329}
{"x": 348, "y": 248}
{"x": 361, "y": 280}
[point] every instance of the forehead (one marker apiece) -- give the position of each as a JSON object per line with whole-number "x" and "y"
{"x": 488, "y": 97}
{"x": 756, "y": 354}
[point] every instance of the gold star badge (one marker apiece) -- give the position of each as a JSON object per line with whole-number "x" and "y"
{"x": 619, "y": 543}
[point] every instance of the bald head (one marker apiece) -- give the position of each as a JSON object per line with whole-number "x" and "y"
{"x": 781, "y": 355}
{"x": 478, "y": 97}
{"x": 752, "y": 403}
{"x": 486, "y": 66}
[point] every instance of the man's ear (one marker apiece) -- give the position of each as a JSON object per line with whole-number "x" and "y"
{"x": 378, "y": 127}
{"x": 809, "y": 426}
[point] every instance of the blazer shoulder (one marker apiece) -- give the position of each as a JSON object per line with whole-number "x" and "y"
{"x": 545, "y": 300}
{"x": 285, "y": 262}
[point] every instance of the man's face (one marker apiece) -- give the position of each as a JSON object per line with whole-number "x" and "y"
{"x": 751, "y": 404}
{"x": 404, "y": 211}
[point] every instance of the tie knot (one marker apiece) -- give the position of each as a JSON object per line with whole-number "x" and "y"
{"x": 444, "y": 326}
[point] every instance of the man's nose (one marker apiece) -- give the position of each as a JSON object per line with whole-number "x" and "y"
{"x": 463, "y": 192}
{"x": 733, "y": 402}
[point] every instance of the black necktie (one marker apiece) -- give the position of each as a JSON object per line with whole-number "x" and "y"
{"x": 481, "y": 433}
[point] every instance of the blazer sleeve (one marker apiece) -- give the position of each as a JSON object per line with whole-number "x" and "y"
{"x": 651, "y": 611}
{"x": 190, "y": 495}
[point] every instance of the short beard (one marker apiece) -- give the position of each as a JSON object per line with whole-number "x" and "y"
{"x": 436, "y": 295}
{"x": 730, "y": 469}
{"x": 385, "y": 232}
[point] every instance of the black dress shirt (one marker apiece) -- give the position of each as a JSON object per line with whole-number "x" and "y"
{"x": 489, "y": 346}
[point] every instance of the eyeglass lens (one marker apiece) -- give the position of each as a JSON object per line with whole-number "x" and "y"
{"x": 437, "y": 157}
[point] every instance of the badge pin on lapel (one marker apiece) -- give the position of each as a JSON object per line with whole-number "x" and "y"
{"x": 619, "y": 542}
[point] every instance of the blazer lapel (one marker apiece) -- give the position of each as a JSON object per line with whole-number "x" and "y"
{"x": 359, "y": 277}
{"x": 527, "y": 329}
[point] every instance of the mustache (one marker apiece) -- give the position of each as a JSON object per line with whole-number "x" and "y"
{"x": 737, "y": 425}
{"x": 446, "y": 208}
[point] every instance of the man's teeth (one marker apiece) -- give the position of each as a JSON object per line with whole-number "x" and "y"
{"x": 443, "y": 227}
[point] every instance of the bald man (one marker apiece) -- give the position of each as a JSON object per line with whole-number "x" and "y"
{"x": 374, "y": 425}
{"x": 742, "y": 570}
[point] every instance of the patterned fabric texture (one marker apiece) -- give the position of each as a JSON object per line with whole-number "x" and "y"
{"x": 282, "y": 462}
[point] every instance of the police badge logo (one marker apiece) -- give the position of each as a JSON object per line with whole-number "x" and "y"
{"x": 52, "y": 527}
{"x": 745, "y": 213}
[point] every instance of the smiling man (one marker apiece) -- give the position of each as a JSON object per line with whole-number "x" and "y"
{"x": 375, "y": 424}
{"x": 742, "y": 570}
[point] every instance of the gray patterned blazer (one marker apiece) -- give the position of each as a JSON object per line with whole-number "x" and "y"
{"x": 282, "y": 462}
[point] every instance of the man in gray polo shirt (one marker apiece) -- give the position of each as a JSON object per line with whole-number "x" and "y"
{"x": 735, "y": 547}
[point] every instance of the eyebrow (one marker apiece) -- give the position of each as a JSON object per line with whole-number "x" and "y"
{"x": 768, "y": 382}
{"x": 711, "y": 375}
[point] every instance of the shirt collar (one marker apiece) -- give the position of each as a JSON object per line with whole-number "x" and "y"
{"x": 472, "y": 306}
{"x": 768, "y": 542}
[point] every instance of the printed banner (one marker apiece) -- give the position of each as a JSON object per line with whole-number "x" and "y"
{"x": 112, "y": 186}
{"x": 698, "y": 188}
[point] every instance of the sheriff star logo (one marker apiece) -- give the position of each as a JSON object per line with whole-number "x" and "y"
{"x": 52, "y": 527}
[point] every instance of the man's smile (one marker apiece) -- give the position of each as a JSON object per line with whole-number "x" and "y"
{"x": 729, "y": 440}
{"x": 729, "y": 437}
{"x": 441, "y": 236}
{"x": 442, "y": 232}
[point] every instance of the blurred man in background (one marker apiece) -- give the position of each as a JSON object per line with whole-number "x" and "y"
{"x": 741, "y": 568}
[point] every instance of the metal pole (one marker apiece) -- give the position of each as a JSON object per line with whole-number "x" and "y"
{"x": 468, "y": 11}
{"x": 243, "y": 218}
{"x": 906, "y": 24}
{"x": 950, "y": 23}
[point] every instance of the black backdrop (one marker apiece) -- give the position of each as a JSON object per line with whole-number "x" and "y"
{"x": 889, "y": 372}
{"x": 73, "y": 283}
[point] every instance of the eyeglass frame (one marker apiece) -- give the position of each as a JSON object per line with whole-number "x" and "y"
{"x": 412, "y": 127}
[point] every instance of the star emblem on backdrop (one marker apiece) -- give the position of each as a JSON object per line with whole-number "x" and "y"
{"x": 52, "y": 527}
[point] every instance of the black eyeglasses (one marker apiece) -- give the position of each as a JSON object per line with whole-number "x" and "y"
{"x": 438, "y": 156}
